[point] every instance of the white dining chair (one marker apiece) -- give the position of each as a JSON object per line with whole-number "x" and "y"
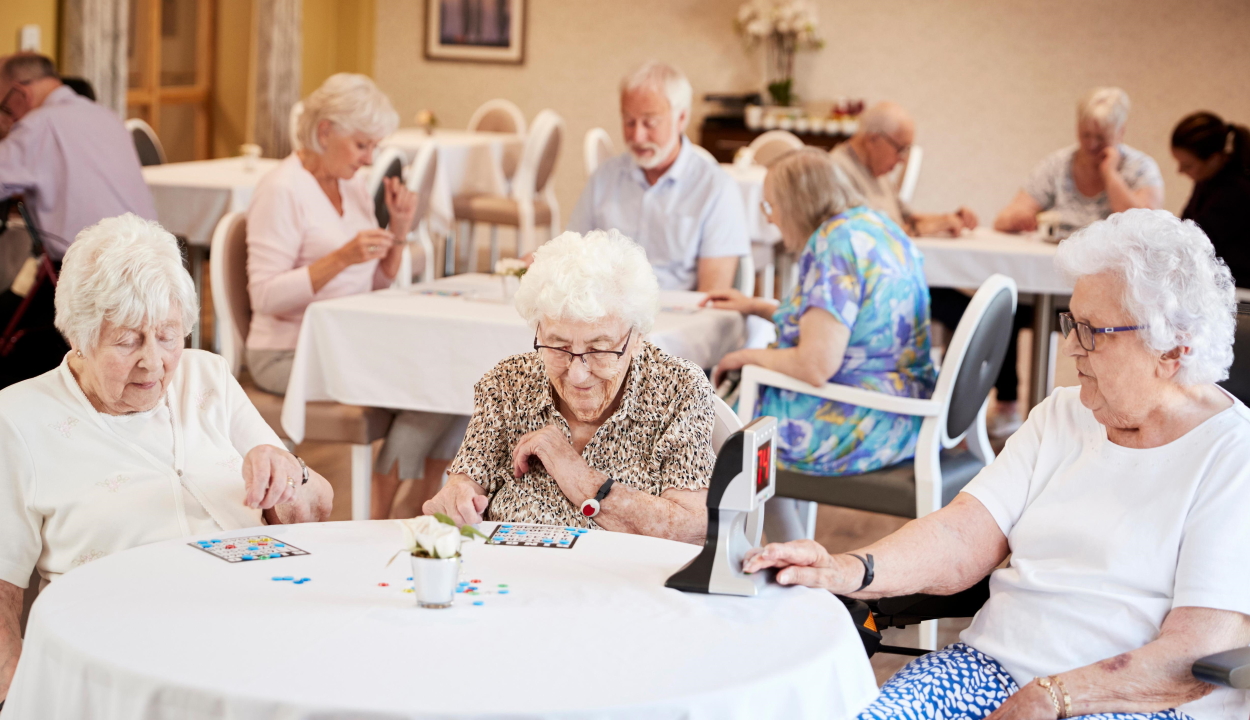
{"x": 421, "y": 176}
{"x": 773, "y": 144}
{"x": 389, "y": 162}
{"x": 596, "y": 148}
{"x": 325, "y": 421}
{"x": 292, "y": 127}
{"x": 147, "y": 144}
{"x": 498, "y": 115}
{"x": 911, "y": 174}
{"x": 532, "y": 201}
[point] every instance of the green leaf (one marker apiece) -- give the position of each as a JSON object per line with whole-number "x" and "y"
{"x": 444, "y": 519}
{"x": 469, "y": 531}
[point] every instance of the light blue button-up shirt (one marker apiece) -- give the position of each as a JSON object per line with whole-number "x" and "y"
{"x": 694, "y": 211}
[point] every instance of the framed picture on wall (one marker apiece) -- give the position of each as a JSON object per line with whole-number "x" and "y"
{"x": 475, "y": 30}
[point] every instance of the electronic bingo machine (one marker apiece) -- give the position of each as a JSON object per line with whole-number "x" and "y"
{"x": 743, "y": 478}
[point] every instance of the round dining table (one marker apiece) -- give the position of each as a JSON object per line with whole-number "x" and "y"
{"x": 169, "y": 630}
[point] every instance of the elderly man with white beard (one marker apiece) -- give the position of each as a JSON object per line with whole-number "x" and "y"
{"x": 684, "y": 211}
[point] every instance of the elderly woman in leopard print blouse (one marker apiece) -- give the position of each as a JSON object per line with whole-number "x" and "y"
{"x": 597, "y": 427}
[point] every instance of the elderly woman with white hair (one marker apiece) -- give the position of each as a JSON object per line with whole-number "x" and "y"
{"x": 313, "y": 235}
{"x": 1087, "y": 182}
{"x": 1112, "y": 526}
{"x": 132, "y": 439}
{"x": 597, "y": 427}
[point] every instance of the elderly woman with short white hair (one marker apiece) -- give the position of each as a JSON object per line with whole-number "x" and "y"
{"x": 312, "y": 234}
{"x": 1112, "y": 526}
{"x": 133, "y": 439}
{"x": 595, "y": 428}
{"x": 1088, "y": 181}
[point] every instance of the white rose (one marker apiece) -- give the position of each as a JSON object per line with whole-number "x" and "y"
{"x": 447, "y": 545}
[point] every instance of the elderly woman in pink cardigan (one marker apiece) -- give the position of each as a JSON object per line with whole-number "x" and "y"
{"x": 313, "y": 235}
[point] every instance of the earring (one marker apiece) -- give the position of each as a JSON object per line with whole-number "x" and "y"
{"x": 78, "y": 353}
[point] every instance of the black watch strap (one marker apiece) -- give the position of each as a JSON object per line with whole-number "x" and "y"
{"x": 868, "y": 572}
{"x": 604, "y": 489}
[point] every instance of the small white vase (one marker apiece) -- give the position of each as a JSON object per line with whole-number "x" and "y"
{"x": 511, "y": 283}
{"x": 434, "y": 581}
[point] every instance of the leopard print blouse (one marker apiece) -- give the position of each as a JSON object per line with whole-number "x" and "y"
{"x": 659, "y": 438}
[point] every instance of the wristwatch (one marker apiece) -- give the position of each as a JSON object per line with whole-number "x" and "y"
{"x": 304, "y": 467}
{"x": 590, "y": 508}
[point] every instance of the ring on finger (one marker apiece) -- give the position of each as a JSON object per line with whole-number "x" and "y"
{"x": 290, "y": 481}
{"x": 373, "y": 248}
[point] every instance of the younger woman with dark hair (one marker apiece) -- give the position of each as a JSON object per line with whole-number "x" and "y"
{"x": 1216, "y": 155}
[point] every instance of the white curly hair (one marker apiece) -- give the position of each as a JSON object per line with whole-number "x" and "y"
{"x": 587, "y": 278}
{"x": 126, "y": 270}
{"x": 1173, "y": 284}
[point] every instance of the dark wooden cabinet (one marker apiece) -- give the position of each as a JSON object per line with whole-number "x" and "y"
{"x": 723, "y": 136}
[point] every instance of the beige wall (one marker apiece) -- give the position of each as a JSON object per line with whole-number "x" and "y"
{"x": 16, "y": 13}
{"x": 992, "y": 85}
{"x": 231, "y": 70}
{"x": 338, "y": 37}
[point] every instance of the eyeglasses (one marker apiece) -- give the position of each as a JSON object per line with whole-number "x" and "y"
{"x": 1085, "y": 332}
{"x": 899, "y": 148}
{"x": 596, "y": 360}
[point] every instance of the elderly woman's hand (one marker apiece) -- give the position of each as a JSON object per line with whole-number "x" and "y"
{"x": 461, "y": 499}
{"x": 806, "y": 562}
{"x": 1032, "y": 702}
{"x": 368, "y": 245}
{"x": 738, "y": 302}
{"x": 558, "y": 457}
{"x": 401, "y": 203}
{"x": 270, "y": 476}
{"x": 733, "y": 361}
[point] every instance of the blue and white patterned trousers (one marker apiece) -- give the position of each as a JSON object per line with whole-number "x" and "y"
{"x": 960, "y": 682}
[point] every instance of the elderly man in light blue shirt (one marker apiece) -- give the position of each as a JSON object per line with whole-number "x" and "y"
{"x": 664, "y": 194}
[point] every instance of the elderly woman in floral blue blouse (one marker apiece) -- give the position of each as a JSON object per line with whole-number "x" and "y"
{"x": 859, "y": 317}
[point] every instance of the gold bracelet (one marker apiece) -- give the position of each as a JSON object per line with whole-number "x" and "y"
{"x": 1067, "y": 699}
{"x": 1054, "y": 699}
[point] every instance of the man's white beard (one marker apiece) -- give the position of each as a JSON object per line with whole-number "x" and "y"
{"x": 659, "y": 154}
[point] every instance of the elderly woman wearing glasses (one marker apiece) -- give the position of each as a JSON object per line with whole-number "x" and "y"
{"x": 1113, "y": 524}
{"x": 597, "y": 427}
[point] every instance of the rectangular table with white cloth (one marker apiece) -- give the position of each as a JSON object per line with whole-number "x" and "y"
{"x": 191, "y": 197}
{"x": 468, "y": 163}
{"x": 406, "y": 349}
{"x": 967, "y": 261}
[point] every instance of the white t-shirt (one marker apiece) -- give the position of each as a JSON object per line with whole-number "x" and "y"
{"x": 76, "y": 485}
{"x": 1106, "y": 540}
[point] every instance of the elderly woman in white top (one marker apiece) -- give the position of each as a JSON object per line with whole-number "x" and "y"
{"x": 597, "y": 427}
{"x": 132, "y": 439}
{"x": 1119, "y": 509}
{"x": 1092, "y": 179}
{"x": 313, "y": 235}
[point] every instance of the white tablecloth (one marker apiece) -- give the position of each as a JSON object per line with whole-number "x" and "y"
{"x": 192, "y": 196}
{"x": 468, "y": 162}
{"x": 169, "y": 631}
{"x": 405, "y": 350}
{"x": 965, "y": 262}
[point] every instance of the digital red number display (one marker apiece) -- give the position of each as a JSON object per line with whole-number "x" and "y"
{"x": 763, "y": 464}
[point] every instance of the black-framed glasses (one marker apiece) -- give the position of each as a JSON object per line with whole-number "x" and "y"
{"x": 559, "y": 358}
{"x": 899, "y": 148}
{"x": 1085, "y": 333}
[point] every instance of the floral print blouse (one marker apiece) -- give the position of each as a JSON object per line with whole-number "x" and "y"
{"x": 863, "y": 269}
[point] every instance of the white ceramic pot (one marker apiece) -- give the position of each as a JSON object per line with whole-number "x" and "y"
{"x": 511, "y": 283}
{"x": 754, "y": 116}
{"x": 434, "y": 581}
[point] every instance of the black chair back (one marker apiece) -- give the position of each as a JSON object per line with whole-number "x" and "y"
{"x": 1238, "y": 382}
{"x": 395, "y": 170}
{"x": 982, "y": 361}
{"x": 148, "y": 153}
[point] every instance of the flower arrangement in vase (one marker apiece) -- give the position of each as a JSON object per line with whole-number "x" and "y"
{"x": 433, "y": 544}
{"x": 510, "y": 271}
{"x": 785, "y": 26}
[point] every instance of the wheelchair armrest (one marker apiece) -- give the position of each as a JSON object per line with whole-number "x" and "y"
{"x": 1230, "y": 669}
{"x": 913, "y": 609}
